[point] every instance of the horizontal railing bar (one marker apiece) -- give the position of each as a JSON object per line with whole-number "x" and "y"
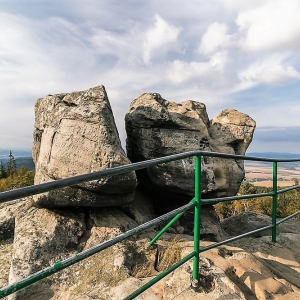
{"x": 288, "y": 217}
{"x": 87, "y": 253}
{"x": 60, "y": 183}
{"x": 231, "y": 198}
{"x": 243, "y": 157}
{"x": 294, "y": 187}
{"x": 160, "y": 276}
{"x": 234, "y": 238}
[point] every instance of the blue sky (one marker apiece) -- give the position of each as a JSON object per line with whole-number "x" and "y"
{"x": 229, "y": 53}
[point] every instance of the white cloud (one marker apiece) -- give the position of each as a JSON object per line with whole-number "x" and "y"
{"x": 270, "y": 72}
{"x": 133, "y": 49}
{"x": 278, "y": 75}
{"x": 238, "y": 5}
{"x": 160, "y": 38}
{"x": 214, "y": 38}
{"x": 275, "y": 25}
{"x": 218, "y": 61}
{"x": 180, "y": 71}
{"x": 36, "y": 56}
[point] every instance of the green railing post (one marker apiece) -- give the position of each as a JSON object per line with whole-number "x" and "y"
{"x": 197, "y": 216}
{"x": 274, "y": 204}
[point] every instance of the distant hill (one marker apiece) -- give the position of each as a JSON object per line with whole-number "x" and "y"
{"x": 278, "y": 155}
{"x": 17, "y": 153}
{"x": 21, "y": 161}
{"x": 22, "y": 157}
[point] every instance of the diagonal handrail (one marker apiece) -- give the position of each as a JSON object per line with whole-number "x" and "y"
{"x": 195, "y": 203}
{"x": 60, "y": 265}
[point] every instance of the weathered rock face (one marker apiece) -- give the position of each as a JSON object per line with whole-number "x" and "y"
{"x": 8, "y": 212}
{"x": 157, "y": 127}
{"x": 76, "y": 134}
{"x": 43, "y": 237}
{"x": 246, "y": 222}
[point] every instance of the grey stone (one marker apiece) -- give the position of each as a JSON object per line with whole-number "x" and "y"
{"x": 43, "y": 237}
{"x": 246, "y": 222}
{"x": 76, "y": 134}
{"x": 157, "y": 127}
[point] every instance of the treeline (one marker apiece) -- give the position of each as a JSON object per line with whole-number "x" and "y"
{"x": 287, "y": 203}
{"x": 11, "y": 178}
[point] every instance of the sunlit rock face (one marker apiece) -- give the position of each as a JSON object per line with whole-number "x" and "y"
{"x": 157, "y": 127}
{"x": 76, "y": 134}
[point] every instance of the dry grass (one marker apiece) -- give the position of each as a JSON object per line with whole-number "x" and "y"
{"x": 143, "y": 270}
{"x": 262, "y": 176}
{"x": 269, "y": 183}
{"x": 168, "y": 254}
{"x": 99, "y": 268}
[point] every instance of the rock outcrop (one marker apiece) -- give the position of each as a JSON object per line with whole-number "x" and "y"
{"x": 157, "y": 127}
{"x": 76, "y": 134}
{"x": 251, "y": 268}
{"x": 246, "y": 222}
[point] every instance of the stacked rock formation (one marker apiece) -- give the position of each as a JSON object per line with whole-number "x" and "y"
{"x": 157, "y": 127}
{"x": 76, "y": 134}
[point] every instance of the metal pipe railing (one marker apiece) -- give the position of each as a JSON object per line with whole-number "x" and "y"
{"x": 159, "y": 277}
{"x": 60, "y": 265}
{"x": 196, "y": 202}
{"x": 60, "y": 183}
{"x": 197, "y": 217}
{"x": 274, "y": 202}
{"x": 166, "y": 227}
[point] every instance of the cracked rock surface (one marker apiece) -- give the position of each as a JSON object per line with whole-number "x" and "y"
{"x": 76, "y": 134}
{"x": 157, "y": 127}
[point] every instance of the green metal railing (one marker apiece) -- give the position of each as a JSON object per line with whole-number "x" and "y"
{"x": 195, "y": 203}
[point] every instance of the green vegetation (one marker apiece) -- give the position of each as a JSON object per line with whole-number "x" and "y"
{"x": 287, "y": 204}
{"x": 11, "y": 178}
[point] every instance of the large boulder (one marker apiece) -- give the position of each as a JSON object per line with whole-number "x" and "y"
{"x": 246, "y": 222}
{"x": 249, "y": 221}
{"x": 157, "y": 127}
{"x": 76, "y": 134}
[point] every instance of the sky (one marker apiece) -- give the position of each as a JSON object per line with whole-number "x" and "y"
{"x": 225, "y": 53}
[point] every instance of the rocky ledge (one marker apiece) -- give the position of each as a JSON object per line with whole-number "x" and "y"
{"x": 33, "y": 238}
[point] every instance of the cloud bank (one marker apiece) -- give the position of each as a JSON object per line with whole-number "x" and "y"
{"x": 229, "y": 53}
